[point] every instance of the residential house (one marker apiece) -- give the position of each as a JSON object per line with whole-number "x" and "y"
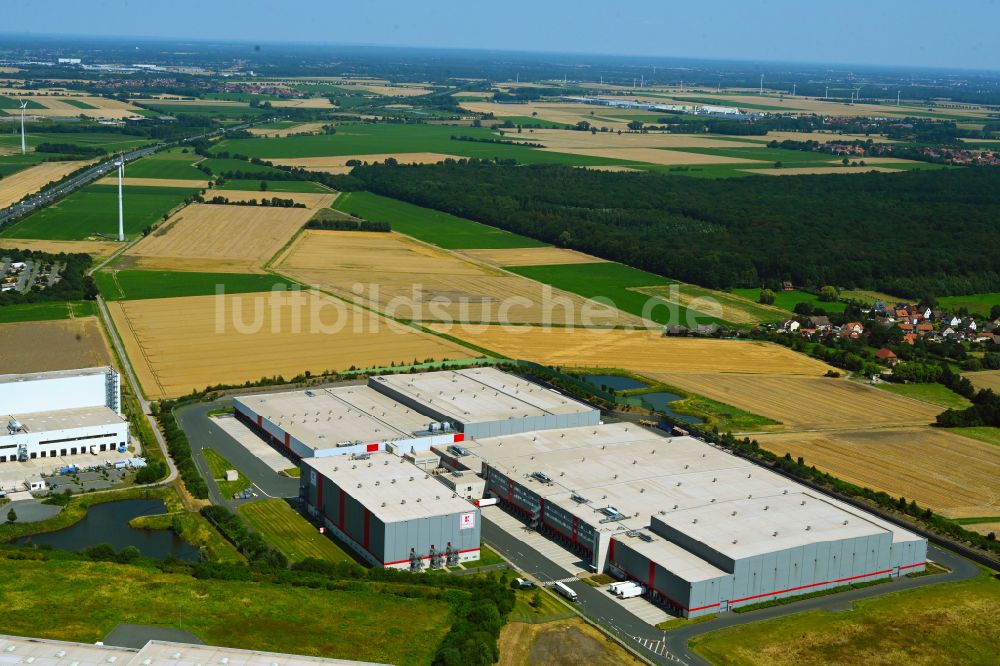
{"x": 790, "y": 325}
{"x": 887, "y": 356}
{"x": 910, "y": 338}
{"x": 820, "y": 322}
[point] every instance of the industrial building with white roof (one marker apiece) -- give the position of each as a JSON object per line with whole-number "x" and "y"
{"x": 19, "y": 651}
{"x": 703, "y": 530}
{"x": 61, "y": 413}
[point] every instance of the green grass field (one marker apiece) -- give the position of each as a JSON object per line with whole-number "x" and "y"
{"x": 217, "y": 467}
{"x": 398, "y": 138}
{"x": 167, "y": 164}
{"x": 10, "y": 314}
{"x": 210, "y": 110}
{"x": 12, "y": 103}
{"x": 219, "y": 166}
{"x": 486, "y": 558}
{"x": 110, "y": 141}
{"x": 549, "y": 607}
{"x": 290, "y": 533}
{"x": 427, "y": 224}
{"x": 950, "y": 623}
{"x": 94, "y": 209}
{"x": 275, "y": 186}
{"x": 936, "y": 394}
{"x": 615, "y": 282}
{"x": 83, "y": 601}
{"x": 977, "y": 303}
{"x": 982, "y": 433}
{"x": 787, "y": 300}
{"x": 133, "y": 285}
{"x": 78, "y": 103}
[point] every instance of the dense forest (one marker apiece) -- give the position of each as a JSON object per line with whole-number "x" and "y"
{"x": 915, "y": 234}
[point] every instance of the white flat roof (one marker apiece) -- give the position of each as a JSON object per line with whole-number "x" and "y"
{"x": 53, "y": 374}
{"x": 18, "y": 651}
{"x": 390, "y": 487}
{"x": 672, "y": 557}
{"x": 747, "y": 527}
{"x": 476, "y": 395}
{"x": 64, "y": 419}
{"x": 323, "y": 417}
{"x": 641, "y": 474}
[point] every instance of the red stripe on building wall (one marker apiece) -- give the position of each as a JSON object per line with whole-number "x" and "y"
{"x": 288, "y": 441}
{"x": 652, "y": 573}
{"x": 805, "y": 587}
{"x": 364, "y": 539}
{"x": 340, "y": 518}
{"x": 459, "y": 437}
{"x": 910, "y": 566}
{"x": 427, "y": 557}
{"x": 611, "y": 551}
{"x": 371, "y": 447}
{"x": 260, "y": 421}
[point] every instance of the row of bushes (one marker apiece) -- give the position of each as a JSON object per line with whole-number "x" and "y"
{"x": 274, "y": 202}
{"x": 348, "y": 225}
{"x": 251, "y": 544}
{"x": 180, "y": 450}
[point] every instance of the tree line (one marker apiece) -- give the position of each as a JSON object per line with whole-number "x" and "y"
{"x": 911, "y": 234}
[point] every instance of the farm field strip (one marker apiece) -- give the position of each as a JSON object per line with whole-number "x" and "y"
{"x": 642, "y": 351}
{"x": 39, "y": 346}
{"x": 410, "y": 280}
{"x": 803, "y": 403}
{"x": 141, "y": 284}
{"x": 292, "y": 128}
{"x": 986, "y": 379}
{"x": 429, "y": 225}
{"x": 953, "y": 475}
{"x": 239, "y": 238}
{"x": 311, "y": 200}
{"x": 531, "y": 256}
{"x": 131, "y": 181}
{"x": 336, "y": 163}
{"x": 99, "y": 249}
{"x": 180, "y": 344}
{"x": 719, "y": 304}
{"x": 15, "y": 187}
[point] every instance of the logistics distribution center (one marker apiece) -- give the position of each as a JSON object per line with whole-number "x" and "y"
{"x": 700, "y": 529}
{"x": 54, "y": 414}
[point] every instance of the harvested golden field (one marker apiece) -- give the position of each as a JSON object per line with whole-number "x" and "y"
{"x": 639, "y": 350}
{"x": 531, "y": 256}
{"x": 180, "y": 344}
{"x": 300, "y": 128}
{"x": 340, "y": 161}
{"x": 311, "y": 200}
{"x": 987, "y": 379}
{"x": 99, "y": 249}
{"x": 801, "y": 171}
{"x": 40, "y": 346}
{"x": 103, "y": 107}
{"x": 561, "y": 139}
{"x": 822, "y": 137}
{"x": 719, "y": 304}
{"x": 654, "y": 156}
{"x": 307, "y": 103}
{"x": 984, "y": 528}
{"x": 232, "y": 239}
{"x": 953, "y": 475}
{"x": 396, "y": 90}
{"x": 154, "y": 182}
{"x": 803, "y": 403}
{"x": 28, "y": 181}
{"x": 407, "y": 279}
{"x": 557, "y": 112}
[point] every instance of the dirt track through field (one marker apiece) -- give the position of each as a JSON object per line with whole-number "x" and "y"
{"x": 953, "y": 475}
{"x": 40, "y": 346}
{"x": 180, "y": 344}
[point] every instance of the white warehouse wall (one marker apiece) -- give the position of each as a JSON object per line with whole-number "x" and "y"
{"x": 50, "y": 393}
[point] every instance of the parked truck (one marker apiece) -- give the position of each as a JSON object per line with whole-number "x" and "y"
{"x": 565, "y": 590}
{"x": 634, "y": 591}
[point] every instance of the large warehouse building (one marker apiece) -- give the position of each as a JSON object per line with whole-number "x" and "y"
{"x": 701, "y": 529}
{"x": 53, "y": 414}
{"x": 391, "y": 512}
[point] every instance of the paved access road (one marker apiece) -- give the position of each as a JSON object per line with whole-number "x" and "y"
{"x": 671, "y": 647}
{"x": 202, "y": 433}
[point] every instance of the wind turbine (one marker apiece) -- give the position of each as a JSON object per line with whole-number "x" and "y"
{"x": 761, "y": 85}
{"x": 24, "y": 147}
{"x": 121, "y": 217}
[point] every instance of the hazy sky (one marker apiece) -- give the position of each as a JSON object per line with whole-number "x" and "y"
{"x": 910, "y": 32}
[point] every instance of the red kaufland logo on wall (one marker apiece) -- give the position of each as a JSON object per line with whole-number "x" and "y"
{"x": 467, "y": 521}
